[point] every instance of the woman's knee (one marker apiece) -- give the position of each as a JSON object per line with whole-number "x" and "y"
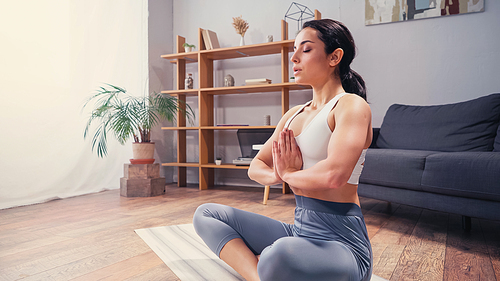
{"x": 279, "y": 260}
{"x": 201, "y": 214}
{"x": 206, "y": 213}
{"x": 293, "y": 258}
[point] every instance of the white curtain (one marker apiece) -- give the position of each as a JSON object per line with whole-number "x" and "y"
{"x": 53, "y": 55}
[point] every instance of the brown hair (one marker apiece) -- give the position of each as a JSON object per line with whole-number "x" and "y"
{"x": 335, "y": 34}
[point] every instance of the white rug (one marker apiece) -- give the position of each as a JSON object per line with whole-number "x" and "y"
{"x": 183, "y": 251}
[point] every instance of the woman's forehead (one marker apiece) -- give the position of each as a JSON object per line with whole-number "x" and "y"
{"x": 306, "y": 35}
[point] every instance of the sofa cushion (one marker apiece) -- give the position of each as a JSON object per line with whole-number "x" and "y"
{"x": 496, "y": 146}
{"x": 465, "y": 174}
{"x": 394, "y": 167}
{"x": 464, "y": 126}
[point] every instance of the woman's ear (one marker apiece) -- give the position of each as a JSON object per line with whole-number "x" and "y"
{"x": 336, "y": 57}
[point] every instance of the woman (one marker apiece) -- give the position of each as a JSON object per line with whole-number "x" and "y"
{"x": 317, "y": 148}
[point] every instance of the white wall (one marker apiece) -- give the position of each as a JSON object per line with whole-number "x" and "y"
{"x": 430, "y": 61}
{"x": 160, "y": 42}
{"x": 53, "y": 55}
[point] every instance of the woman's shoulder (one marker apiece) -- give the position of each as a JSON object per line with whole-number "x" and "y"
{"x": 351, "y": 105}
{"x": 353, "y": 102}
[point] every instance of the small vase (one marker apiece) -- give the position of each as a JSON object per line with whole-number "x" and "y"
{"x": 242, "y": 41}
{"x": 218, "y": 162}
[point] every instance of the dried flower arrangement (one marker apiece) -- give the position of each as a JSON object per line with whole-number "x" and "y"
{"x": 240, "y": 25}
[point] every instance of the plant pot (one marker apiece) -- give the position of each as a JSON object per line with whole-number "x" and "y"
{"x": 143, "y": 151}
{"x": 188, "y": 49}
{"x": 218, "y": 162}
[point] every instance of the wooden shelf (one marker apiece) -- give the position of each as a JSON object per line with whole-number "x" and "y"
{"x": 261, "y": 49}
{"x": 206, "y": 96}
{"x": 188, "y": 57}
{"x": 215, "y": 128}
{"x": 210, "y": 165}
{"x": 266, "y": 88}
{"x": 177, "y": 164}
{"x": 180, "y": 128}
{"x": 224, "y": 166}
{"x": 235, "y": 127}
{"x": 189, "y": 92}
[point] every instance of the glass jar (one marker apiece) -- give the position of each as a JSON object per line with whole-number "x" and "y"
{"x": 188, "y": 82}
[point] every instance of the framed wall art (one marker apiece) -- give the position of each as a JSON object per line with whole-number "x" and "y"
{"x": 386, "y": 11}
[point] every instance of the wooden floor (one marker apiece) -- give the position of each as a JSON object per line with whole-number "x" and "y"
{"x": 92, "y": 237}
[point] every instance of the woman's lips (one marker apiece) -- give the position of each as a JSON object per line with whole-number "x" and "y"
{"x": 296, "y": 70}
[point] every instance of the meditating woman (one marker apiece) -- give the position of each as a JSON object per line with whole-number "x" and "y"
{"x": 318, "y": 149}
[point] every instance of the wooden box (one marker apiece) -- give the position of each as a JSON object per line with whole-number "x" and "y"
{"x": 142, "y": 180}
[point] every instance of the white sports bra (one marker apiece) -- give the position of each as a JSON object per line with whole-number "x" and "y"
{"x": 314, "y": 138}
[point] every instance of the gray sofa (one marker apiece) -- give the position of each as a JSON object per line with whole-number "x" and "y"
{"x": 443, "y": 157}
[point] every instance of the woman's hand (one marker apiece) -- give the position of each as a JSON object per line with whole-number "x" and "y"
{"x": 286, "y": 154}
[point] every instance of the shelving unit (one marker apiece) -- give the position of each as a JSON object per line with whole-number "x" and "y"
{"x": 206, "y": 92}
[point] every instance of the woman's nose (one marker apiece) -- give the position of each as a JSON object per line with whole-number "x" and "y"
{"x": 294, "y": 58}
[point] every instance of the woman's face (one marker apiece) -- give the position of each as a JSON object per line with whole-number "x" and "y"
{"x": 311, "y": 64}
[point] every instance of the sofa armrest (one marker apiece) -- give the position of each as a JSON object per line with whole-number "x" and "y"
{"x": 376, "y": 132}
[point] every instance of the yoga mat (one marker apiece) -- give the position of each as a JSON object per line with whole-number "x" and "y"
{"x": 183, "y": 251}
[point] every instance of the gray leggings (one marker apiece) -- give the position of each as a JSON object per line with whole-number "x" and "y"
{"x": 328, "y": 240}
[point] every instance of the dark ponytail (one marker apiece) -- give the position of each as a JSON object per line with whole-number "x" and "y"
{"x": 335, "y": 34}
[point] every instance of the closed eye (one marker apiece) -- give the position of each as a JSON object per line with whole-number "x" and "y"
{"x": 305, "y": 51}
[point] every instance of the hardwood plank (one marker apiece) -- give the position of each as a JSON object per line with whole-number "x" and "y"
{"x": 124, "y": 269}
{"x": 467, "y": 256}
{"x": 399, "y": 227}
{"x": 377, "y": 216}
{"x": 93, "y": 263}
{"x": 158, "y": 273}
{"x": 385, "y": 258}
{"x": 390, "y": 241}
{"x": 48, "y": 257}
{"x": 491, "y": 231}
{"x": 423, "y": 257}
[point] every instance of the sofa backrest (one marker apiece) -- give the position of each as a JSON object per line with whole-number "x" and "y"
{"x": 496, "y": 146}
{"x": 465, "y": 126}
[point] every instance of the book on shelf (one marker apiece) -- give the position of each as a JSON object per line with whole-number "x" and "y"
{"x": 258, "y": 81}
{"x": 210, "y": 39}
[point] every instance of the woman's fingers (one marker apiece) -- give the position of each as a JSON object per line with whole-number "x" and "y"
{"x": 283, "y": 142}
{"x": 286, "y": 141}
{"x": 291, "y": 141}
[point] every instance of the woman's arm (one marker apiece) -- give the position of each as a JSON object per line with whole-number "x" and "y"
{"x": 352, "y": 119}
{"x": 261, "y": 168}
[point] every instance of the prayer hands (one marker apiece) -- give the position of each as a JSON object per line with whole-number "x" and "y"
{"x": 286, "y": 154}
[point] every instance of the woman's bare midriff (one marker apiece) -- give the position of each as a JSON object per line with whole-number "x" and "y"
{"x": 344, "y": 194}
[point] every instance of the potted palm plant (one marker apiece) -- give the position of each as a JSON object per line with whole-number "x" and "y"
{"x": 128, "y": 117}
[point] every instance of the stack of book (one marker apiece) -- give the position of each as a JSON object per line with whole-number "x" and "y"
{"x": 259, "y": 81}
{"x": 210, "y": 39}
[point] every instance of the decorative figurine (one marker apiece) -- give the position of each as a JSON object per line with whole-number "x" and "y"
{"x": 228, "y": 81}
